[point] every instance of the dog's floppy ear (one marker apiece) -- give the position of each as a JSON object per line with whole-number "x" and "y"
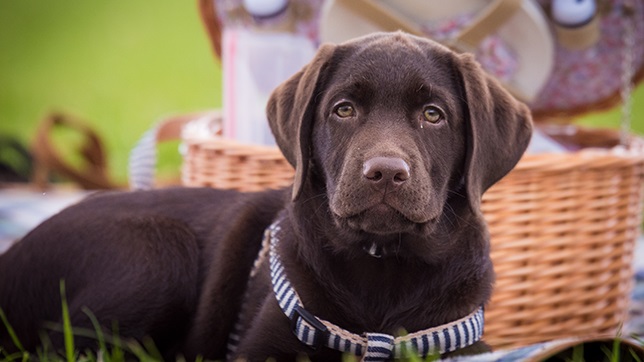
{"x": 290, "y": 113}
{"x": 498, "y": 129}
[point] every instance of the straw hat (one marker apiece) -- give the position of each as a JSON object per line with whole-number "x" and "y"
{"x": 519, "y": 24}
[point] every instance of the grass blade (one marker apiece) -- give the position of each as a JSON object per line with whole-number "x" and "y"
{"x": 117, "y": 351}
{"x": 15, "y": 356}
{"x": 67, "y": 326}
{"x": 140, "y": 352}
{"x": 97, "y": 328}
{"x": 616, "y": 349}
{"x": 151, "y": 349}
{"x": 577, "y": 353}
{"x": 636, "y": 358}
{"x": 12, "y": 333}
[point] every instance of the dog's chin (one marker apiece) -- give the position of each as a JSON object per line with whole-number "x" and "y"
{"x": 381, "y": 219}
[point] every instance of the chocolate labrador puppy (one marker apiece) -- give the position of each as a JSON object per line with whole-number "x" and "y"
{"x": 378, "y": 249}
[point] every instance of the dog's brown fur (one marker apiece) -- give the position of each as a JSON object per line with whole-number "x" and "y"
{"x": 174, "y": 264}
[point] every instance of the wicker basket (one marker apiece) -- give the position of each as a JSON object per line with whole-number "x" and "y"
{"x": 563, "y": 230}
{"x": 231, "y": 165}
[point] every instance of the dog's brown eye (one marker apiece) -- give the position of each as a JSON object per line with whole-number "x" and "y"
{"x": 344, "y": 110}
{"x": 433, "y": 114}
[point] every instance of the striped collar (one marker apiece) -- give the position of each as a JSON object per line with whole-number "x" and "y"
{"x": 316, "y": 332}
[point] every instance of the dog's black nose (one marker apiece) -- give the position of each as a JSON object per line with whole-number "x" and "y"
{"x": 381, "y": 171}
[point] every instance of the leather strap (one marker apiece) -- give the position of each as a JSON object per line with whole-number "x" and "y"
{"x": 381, "y": 16}
{"x": 212, "y": 24}
{"x": 487, "y": 21}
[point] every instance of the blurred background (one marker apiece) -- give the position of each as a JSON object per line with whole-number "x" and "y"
{"x": 121, "y": 66}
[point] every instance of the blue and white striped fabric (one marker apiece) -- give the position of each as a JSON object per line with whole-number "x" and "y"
{"x": 143, "y": 160}
{"x": 380, "y": 347}
{"x": 372, "y": 346}
{"x": 284, "y": 292}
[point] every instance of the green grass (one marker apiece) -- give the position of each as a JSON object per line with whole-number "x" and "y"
{"x": 121, "y": 65}
{"x": 115, "y": 349}
{"x": 110, "y": 349}
{"x": 612, "y": 117}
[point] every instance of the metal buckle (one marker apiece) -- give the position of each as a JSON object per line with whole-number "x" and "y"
{"x": 320, "y": 328}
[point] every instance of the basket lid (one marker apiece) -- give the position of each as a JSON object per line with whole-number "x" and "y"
{"x": 529, "y": 53}
{"x": 519, "y": 50}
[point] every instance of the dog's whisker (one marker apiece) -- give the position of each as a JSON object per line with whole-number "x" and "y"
{"x": 457, "y": 193}
{"x": 314, "y": 197}
{"x": 399, "y": 246}
{"x": 451, "y": 210}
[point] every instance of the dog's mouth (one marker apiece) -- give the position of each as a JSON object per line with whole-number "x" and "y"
{"x": 382, "y": 230}
{"x": 383, "y": 219}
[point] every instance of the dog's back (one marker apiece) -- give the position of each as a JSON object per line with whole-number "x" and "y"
{"x": 137, "y": 257}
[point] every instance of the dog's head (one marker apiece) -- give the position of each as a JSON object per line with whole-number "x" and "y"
{"x": 394, "y": 126}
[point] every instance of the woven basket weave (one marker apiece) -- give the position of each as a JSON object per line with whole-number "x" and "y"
{"x": 563, "y": 229}
{"x": 227, "y": 164}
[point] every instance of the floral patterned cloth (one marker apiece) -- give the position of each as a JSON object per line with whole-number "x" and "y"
{"x": 494, "y": 54}
{"x": 585, "y": 77}
{"x": 580, "y": 78}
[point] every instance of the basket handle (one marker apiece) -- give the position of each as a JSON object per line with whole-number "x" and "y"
{"x": 486, "y": 22}
{"x": 143, "y": 157}
{"x": 47, "y": 158}
{"x": 212, "y": 24}
{"x": 381, "y": 16}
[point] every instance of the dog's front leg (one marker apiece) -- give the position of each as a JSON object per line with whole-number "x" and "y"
{"x": 269, "y": 335}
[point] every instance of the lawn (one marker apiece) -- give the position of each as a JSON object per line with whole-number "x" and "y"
{"x": 121, "y": 65}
